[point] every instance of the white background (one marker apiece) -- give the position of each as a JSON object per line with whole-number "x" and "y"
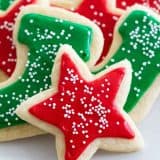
{"x": 42, "y": 147}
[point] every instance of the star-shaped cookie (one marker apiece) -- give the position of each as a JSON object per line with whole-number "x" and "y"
{"x": 83, "y": 110}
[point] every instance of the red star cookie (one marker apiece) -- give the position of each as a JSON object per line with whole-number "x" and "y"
{"x": 7, "y": 48}
{"x": 84, "y": 110}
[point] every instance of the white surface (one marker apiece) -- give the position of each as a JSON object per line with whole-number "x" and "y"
{"x": 42, "y": 147}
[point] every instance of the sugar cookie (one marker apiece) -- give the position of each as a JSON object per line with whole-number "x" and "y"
{"x": 136, "y": 38}
{"x": 104, "y": 13}
{"x": 7, "y": 21}
{"x": 39, "y": 32}
{"x": 83, "y": 110}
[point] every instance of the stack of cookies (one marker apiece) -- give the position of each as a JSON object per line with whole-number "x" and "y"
{"x": 85, "y": 71}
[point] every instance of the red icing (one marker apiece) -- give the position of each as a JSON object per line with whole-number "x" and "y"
{"x": 155, "y": 4}
{"x": 123, "y": 4}
{"x": 98, "y": 12}
{"x": 82, "y": 110}
{"x": 7, "y": 49}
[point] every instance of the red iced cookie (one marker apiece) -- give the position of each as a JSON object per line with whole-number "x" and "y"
{"x": 83, "y": 110}
{"x": 7, "y": 48}
{"x": 104, "y": 13}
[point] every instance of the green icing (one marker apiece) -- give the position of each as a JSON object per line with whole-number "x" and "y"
{"x": 43, "y": 36}
{"x": 4, "y": 4}
{"x": 140, "y": 34}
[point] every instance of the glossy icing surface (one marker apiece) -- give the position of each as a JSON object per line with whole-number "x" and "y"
{"x": 4, "y": 4}
{"x": 43, "y": 36}
{"x": 83, "y": 110}
{"x": 140, "y": 34}
{"x": 7, "y": 49}
{"x": 123, "y": 4}
{"x": 99, "y": 12}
